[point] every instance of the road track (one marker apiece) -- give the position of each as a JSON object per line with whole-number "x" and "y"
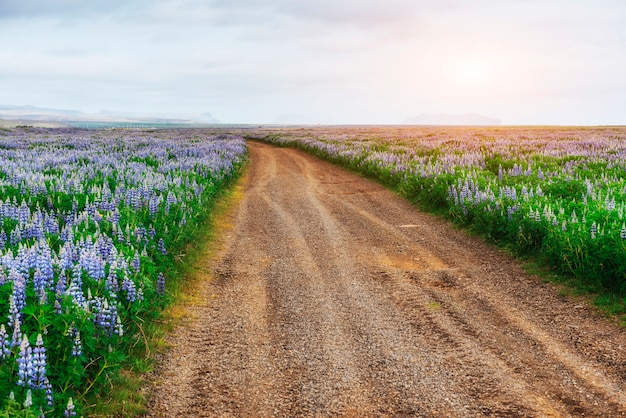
{"x": 334, "y": 297}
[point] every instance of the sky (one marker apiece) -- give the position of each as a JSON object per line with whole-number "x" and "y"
{"x": 529, "y": 62}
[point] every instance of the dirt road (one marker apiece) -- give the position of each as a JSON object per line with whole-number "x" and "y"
{"x": 333, "y": 297}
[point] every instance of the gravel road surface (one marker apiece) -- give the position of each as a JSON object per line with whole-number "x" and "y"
{"x": 334, "y": 297}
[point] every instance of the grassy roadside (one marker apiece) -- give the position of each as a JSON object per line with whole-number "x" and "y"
{"x": 128, "y": 392}
{"x": 608, "y": 304}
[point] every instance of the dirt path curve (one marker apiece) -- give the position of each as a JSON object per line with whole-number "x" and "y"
{"x": 333, "y": 297}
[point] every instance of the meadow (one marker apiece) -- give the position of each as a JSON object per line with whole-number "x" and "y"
{"x": 552, "y": 193}
{"x": 92, "y": 224}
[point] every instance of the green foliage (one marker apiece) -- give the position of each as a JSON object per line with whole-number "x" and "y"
{"x": 113, "y": 204}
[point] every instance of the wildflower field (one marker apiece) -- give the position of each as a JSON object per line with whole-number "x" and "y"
{"x": 555, "y": 193}
{"x": 90, "y": 225}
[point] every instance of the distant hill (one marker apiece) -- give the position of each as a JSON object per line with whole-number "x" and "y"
{"x": 465, "y": 119}
{"x": 32, "y": 113}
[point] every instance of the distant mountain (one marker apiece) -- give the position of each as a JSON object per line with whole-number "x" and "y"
{"x": 465, "y": 119}
{"x": 32, "y": 113}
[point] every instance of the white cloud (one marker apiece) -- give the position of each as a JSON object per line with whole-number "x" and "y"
{"x": 349, "y": 61}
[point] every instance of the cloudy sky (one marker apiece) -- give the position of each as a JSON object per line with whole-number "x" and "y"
{"x": 320, "y": 61}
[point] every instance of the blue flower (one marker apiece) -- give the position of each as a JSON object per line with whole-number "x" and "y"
{"x": 136, "y": 263}
{"x": 129, "y": 287}
{"x": 160, "y": 285}
{"x": 5, "y": 344}
{"x": 69, "y": 409}
{"x": 25, "y": 368}
{"x": 162, "y": 248}
{"x": 77, "y": 345}
{"x": 19, "y": 290}
{"x": 39, "y": 364}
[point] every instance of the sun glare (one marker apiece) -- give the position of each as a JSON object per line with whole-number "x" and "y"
{"x": 469, "y": 72}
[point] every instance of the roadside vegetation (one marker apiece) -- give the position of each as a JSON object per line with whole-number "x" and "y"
{"x": 94, "y": 229}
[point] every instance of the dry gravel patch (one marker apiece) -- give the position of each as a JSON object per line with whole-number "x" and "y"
{"x": 334, "y": 297}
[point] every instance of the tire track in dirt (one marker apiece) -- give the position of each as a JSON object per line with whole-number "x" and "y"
{"x": 333, "y": 297}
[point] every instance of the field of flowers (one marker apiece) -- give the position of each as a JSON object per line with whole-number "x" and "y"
{"x": 556, "y": 193}
{"x": 90, "y": 224}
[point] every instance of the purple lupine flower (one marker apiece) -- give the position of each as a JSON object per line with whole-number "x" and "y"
{"x": 16, "y": 338}
{"x": 171, "y": 199}
{"x": 48, "y": 387}
{"x": 140, "y": 233}
{"x": 115, "y": 217}
{"x": 15, "y": 314}
{"x": 119, "y": 330}
{"x": 76, "y": 293}
{"x": 77, "y": 274}
{"x": 16, "y": 236}
{"x": 127, "y": 234}
{"x": 65, "y": 232}
{"x": 65, "y": 256}
{"x": 136, "y": 263}
{"x": 61, "y": 285}
{"x": 92, "y": 264}
{"x": 120, "y": 234}
{"x": 77, "y": 345}
{"x": 39, "y": 364}
{"x": 24, "y": 213}
{"x": 5, "y": 344}
{"x": 17, "y": 300}
{"x": 160, "y": 285}
{"x": 51, "y": 224}
{"x": 22, "y": 261}
{"x": 104, "y": 246}
{"x": 622, "y": 233}
{"x": 153, "y": 206}
{"x": 112, "y": 257}
{"x": 39, "y": 282}
{"x": 122, "y": 263}
{"x": 105, "y": 315}
{"x": 25, "y": 370}
{"x": 44, "y": 262}
{"x": 69, "y": 409}
{"x": 162, "y": 248}
{"x": 111, "y": 283}
{"x": 129, "y": 287}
